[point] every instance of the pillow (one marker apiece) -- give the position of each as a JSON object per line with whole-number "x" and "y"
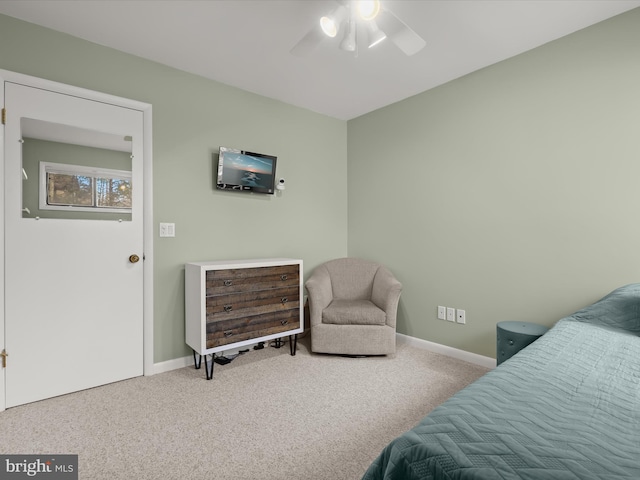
{"x": 620, "y": 309}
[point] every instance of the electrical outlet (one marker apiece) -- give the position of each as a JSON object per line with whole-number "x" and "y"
{"x": 442, "y": 313}
{"x": 461, "y": 316}
{"x": 451, "y": 314}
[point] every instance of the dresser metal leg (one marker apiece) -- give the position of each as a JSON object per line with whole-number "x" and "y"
{"x": 197, "y": 359}
{"x": 293, "y": 344}
{"x": 208, "y": 365}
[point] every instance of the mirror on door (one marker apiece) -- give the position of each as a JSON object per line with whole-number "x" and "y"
{"x": 74, "y": 173}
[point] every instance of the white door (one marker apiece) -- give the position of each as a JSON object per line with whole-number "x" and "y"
{"x": 73, "y": 296}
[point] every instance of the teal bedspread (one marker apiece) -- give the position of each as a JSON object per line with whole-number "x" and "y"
{"x": 567, "y": 407}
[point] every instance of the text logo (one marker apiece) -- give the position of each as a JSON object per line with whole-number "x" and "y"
{"x": 50, "y": 467}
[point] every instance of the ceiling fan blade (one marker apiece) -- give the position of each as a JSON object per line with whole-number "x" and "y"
{"x": 309, "y": 42}
{"x": 400, "y": 33}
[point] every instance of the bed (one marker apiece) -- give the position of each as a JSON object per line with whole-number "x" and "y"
{"x": 567, "y": 407}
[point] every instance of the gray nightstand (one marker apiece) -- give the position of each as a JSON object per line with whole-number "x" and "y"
{"x": 514, "y": 336}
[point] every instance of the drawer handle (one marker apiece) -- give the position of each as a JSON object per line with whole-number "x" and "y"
{"x": 228, "y": 283}
{"x": 283, "y": 277}
{"x": 228, "y": 308}
{"x": 228, "y": 334}
{"x": 284, "y": 322}
{"x": 284, "y": 300}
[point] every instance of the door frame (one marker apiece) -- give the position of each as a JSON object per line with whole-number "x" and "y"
{"x": 146, "y": 109}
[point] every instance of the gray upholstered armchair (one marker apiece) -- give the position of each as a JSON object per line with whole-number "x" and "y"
{"x": 353, "y": 305}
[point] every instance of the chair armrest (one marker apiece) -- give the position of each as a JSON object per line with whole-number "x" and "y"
{"x": 386, "y": 294}
{"x": 320, "y": 294}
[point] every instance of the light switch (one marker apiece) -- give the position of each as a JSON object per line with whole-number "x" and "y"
{"x": 167, "y": 229}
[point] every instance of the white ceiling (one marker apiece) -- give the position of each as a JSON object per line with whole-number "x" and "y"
{"x": 246, "y": 43}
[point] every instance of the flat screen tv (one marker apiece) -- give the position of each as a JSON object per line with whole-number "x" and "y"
{"x": 246, "y": 171}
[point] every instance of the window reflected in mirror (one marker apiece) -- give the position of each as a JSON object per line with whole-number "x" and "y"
{"x": 73, "y": 173}
{"x": 89, "y": 188}
{"x": 68, "y": 190}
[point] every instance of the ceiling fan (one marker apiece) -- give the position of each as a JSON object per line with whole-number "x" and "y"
{"x": 355, "y": 17}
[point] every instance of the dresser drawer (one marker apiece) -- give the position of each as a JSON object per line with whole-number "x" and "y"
{"x": 221, "y": 307}
{"x": 225, "y": 282}
{"x": 225, "y": 332}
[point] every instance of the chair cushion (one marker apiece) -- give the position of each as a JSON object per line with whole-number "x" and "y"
{"x": 353, "y": 312}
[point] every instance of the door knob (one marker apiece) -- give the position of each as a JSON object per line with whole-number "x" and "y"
{"x": 134, "y": 258}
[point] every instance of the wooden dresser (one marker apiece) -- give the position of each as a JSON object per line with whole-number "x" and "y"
{"x": 230, "y": 304}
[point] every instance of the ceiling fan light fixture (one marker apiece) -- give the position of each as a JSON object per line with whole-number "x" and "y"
{"x": 354, "y": 16}
{"x": 349, "y": 42}
{"x": 330, "y": 24}
{"x": 368, "y": 9}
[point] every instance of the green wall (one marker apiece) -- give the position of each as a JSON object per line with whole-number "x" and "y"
{"x": 511, "y": 192}
{"x": 192, "y": 118}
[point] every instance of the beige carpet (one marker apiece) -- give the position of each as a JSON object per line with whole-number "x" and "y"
{"x": 265, "y": 415}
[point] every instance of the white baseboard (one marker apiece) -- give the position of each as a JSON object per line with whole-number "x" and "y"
{"x": 173, "y": 364}
{"x": 186, "y": 361}
{"x": 474, "y": 358}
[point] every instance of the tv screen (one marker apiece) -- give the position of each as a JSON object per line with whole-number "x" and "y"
{"x": 246, "y": 171}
